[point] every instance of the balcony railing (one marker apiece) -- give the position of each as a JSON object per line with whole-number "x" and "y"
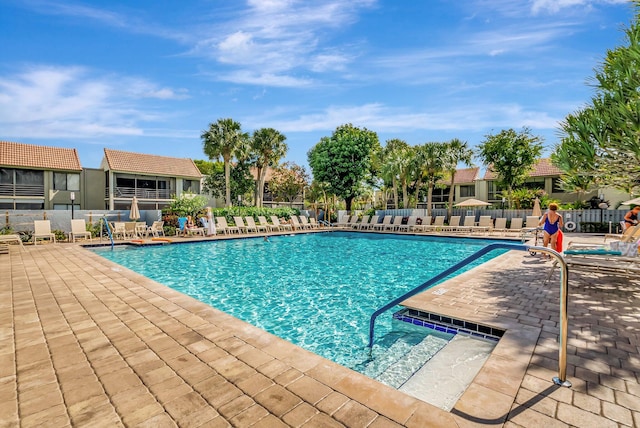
{"x": 21, "y": 190}
{"x": 130, "y": 192}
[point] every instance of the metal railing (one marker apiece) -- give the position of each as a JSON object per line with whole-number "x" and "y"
{"x": 564, "y": 288}
{"x": 130, "y": 192}
{"x": 21, "y": 190}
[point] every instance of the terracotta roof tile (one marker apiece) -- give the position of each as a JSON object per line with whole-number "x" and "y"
{"x": 542, "y": 168}
{"x": 463, "y": 176}
{"x": 41, "y": 157}
{"x": 151, "y": 164}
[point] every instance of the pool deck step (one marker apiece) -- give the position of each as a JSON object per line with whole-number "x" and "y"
{"x": 450, "y": 371}
{"x": 399, "y": 371}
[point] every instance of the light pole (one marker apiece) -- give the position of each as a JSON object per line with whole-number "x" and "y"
{"x": 72, "y": 196}
{"x": 503, "y": 201}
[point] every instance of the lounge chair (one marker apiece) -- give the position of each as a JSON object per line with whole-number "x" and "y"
{"x": 7, "y": 239}
{"x": 344, "y": 221}
{"x": 251, "y": 224}
{"x": 315, "y": 224}
{"x": 515, "y": 226}
{"x": 411, "y": 223}
{"x": 263, "y": 222}
{"x": 224, "y": 227}
{"x": 306, "y": 224}
{"x": 500, "y": 226}
{"x": 628, "y": 233}
{"x": 295, "y": 223}
{"x": 352, "y": 221}
{"x": 436, "y": 226}
{"x": 632, "y": 234}
{"x": 454, "y": 224}
{"x": 42, "y": 230}
{"x": 364, "y": 221}
{"x": 276, "y": 222}
{"x": 156, "y": 229}
{"x": 79, "y": 230}
{"x": 485, "y": 224}
{"x": 372, "y": 223}
{"x": 240, "y": 224}
{"x": 118, "y": 230}
{"x": 386, "y": 221}
{"x": 397, "y": 221}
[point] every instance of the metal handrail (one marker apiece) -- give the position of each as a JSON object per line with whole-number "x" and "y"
{"x": 564, "y": 278}
{"x": 109, "y": 234}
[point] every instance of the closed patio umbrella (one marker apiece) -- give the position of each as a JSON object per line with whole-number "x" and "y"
{"x": 537, "y": 211}
{"x": 134, "y": 214}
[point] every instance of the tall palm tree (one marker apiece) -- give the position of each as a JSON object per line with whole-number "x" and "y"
{"x": 455, "y": 153}
{"x": 225, "y": 139}
{"x": 391, "y": 165}
{"x": 269, "y": 147}
{"x": 432, "y": 168}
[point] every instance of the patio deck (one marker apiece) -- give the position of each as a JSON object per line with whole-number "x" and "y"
{"x": 85, "y": 342}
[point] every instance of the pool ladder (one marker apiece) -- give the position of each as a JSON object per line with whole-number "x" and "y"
{"x": 561, "y": 379}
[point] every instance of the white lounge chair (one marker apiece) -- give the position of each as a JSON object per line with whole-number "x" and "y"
{"x": 263, "y": 222}
{"x": 224, "y": 226}
{"x": 386, "y": 221}
{"x": 79, "y": 230}
{"x": 515, "y": 226}
{"x": 363, "y": 222}
{"x": 372, "y": 223}
{"x": 454, "y": 224}
{"x": 240, "y": 224}
{"x": 436, "y": 226}
{"x": 42, "y": 230}
{"x": 9, "y": 238}
{"x": 156, "y": 229}
{"x": 251, "y": 224}
{"x": 485, "y": 224}
{"x": 306, "y": 224}
{"x": 276, "y": 222}
{"x": 411, "y": 223}
{"x": 500, "y": 226}
{"x": 295, "y": 223}
{"x": 315, "y": 224}
{"x": 397, "y": 221}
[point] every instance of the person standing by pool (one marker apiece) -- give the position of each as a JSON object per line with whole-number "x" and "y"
{"x": 631, "y": 218}
{"x": 551, "y": 222}
{"x": 211, "y": 226}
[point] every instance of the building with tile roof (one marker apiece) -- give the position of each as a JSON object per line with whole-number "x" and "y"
{"x": 38, "y": 177}
{"x": 154, "y": 180}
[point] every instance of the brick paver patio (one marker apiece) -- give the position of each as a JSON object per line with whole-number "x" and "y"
{"x": 85, "y": 342}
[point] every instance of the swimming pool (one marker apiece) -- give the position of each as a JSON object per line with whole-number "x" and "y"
{"x": 315, "y": 290}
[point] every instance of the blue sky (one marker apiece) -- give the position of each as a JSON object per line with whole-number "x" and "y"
{"x": 149, "y": 76}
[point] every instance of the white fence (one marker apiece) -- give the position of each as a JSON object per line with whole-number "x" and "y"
{"x": 610, "y": 217}
{"x": 22, "y": 220}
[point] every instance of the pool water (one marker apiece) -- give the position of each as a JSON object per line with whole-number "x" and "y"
{"x": 317, "y": 290}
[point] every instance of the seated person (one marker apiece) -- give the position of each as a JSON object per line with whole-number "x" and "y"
{"x": 189, "y": 224}
{"x": 631, "y": 218}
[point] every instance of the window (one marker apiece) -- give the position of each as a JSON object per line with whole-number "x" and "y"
{"x": 66, "y": 181}
{"x": 557, "y": 187}
{"x": 534, "y": 183}
{"x": 146, "y": 184}
{"x": 466, "y": 191}
{"x": 191, "y": 186}
{"x": 29, "y": 177}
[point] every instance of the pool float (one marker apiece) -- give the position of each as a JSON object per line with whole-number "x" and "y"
{"x": 162, "y": 239}
{"x": 137, "y": 241}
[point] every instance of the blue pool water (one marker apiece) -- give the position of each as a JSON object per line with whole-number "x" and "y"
{"x": 314, "y": 290}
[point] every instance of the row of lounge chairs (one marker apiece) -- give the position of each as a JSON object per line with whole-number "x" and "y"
{"x": 248, "y": 224}
{"x": 485, "y": 224}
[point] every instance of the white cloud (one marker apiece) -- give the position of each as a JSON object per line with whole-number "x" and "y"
{"x": 554, "y": 6}
{"x": 56, "y": 102}
{"x": 381, "y": 118}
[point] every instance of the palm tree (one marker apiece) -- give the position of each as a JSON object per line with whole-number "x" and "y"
{"x": 455, "y": 152}
{"x": 432, "y": 167}
{"x": 390, "y": 168}
{"x": 225, "y": 139}
{"x": 269, "y": 147}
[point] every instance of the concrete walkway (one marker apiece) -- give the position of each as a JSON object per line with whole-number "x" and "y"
{"x": 85, "y": 342}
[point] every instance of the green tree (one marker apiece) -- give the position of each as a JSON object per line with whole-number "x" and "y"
{"x": 611, "y": 122}
{"x": 241, "y": 182}
{"x": 188, "y": 204}
{"x": 288, "y": 181}
{"x": 431, "y": 157}
{"x": 390, "y": 165}
{"x": 225, "y": 139}
{"x": 344, "y": 160}
{"x": 268, "y": 146}
{"x": 511, "y": 155}
{"x": 455, "y": 153}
